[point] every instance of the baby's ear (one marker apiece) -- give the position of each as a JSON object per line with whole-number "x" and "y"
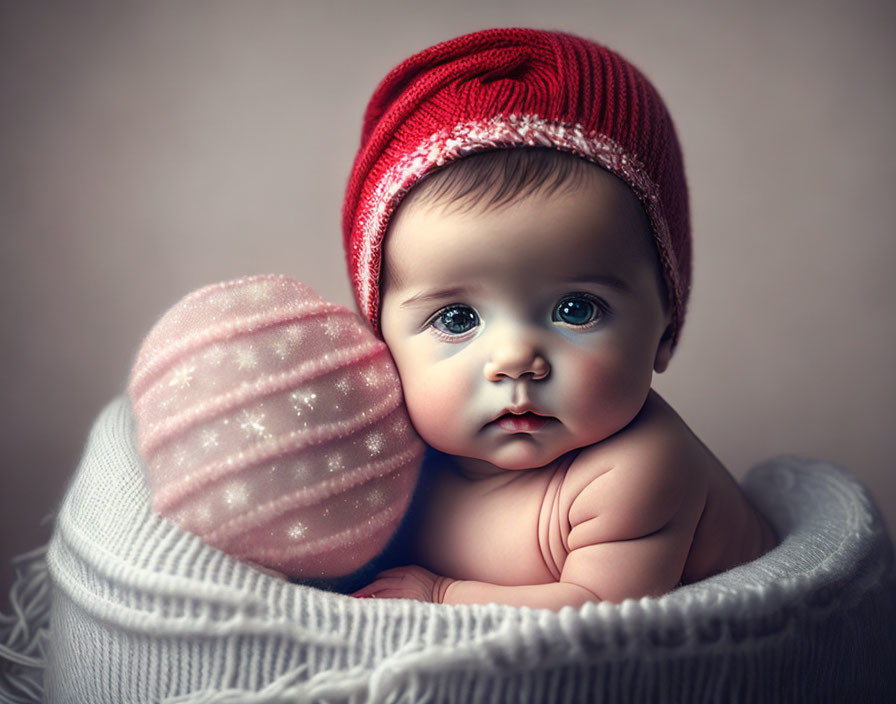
{"x": 663, "y": 351}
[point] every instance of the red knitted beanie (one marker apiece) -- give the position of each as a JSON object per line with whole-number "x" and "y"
{"x": 503, "y": 88}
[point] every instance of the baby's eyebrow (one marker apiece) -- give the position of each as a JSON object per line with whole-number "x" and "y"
{"x": 436, "y": 295}
{"x": 608, "y": 280}
{"x": 458, "y": 292}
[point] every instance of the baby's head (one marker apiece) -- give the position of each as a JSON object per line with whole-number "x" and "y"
{"x": 516, "y": 226}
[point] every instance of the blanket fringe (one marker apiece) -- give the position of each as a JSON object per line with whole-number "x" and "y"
{"x": 25, "y": 632}
{"x": 283, "y": 690}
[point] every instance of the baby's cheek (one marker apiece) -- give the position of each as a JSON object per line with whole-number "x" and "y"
{"x": 436, "y": 400}
{"x": 612, "y": 390}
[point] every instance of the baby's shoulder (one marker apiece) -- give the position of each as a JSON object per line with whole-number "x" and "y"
{"x": 654, "y": 443}
{"x": 651, "y": 466}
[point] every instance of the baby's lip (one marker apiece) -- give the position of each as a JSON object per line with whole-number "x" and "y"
{"x": 519, "y": 410}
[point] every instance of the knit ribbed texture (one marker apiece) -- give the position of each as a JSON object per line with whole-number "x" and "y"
{"x": 145, "y": 612}
{"x": 272, "y": 424}
{"x": 514, "y": 88}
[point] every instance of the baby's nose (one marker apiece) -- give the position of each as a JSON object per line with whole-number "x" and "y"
{"x": 514, "y": 361}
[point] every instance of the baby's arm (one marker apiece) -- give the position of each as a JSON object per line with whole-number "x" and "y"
{"x": 631, "y": 528}
{"x": 650, "y": 565}
{"x": 414, "y": 582}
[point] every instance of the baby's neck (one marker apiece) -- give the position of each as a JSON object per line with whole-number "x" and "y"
{"x": 476, "y": 470}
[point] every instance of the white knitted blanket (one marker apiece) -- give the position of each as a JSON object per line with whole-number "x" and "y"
{"x": 144, "y": 612}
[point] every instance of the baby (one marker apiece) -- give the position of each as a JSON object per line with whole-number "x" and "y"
{"x": 516, "y": 227}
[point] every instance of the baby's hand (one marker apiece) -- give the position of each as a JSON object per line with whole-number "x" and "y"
{"x": 408, "y": 582}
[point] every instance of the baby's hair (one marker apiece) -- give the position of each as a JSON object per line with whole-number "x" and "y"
{"x": 492, "y": 179}
{"x": 498, "y": 177}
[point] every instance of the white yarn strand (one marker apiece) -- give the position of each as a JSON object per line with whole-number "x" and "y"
{"x": 24, "y": 633}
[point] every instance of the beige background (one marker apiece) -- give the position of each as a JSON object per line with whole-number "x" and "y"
{"x": 150, "y": 148}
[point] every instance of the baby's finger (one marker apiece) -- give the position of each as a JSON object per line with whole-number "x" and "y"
{"x": 363, "y": 592}
{"x": 372, "y": 589}
{"x": 385, "y": 583}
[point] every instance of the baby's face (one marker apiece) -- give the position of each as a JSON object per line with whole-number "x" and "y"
{"x": 523, "y": 332}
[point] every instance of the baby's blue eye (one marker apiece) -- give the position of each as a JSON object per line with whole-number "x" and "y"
{"x": 456, "y": 320}
{"x": 577, "y": 310}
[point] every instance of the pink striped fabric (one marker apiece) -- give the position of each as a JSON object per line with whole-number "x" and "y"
{"x": 273, "y": 426}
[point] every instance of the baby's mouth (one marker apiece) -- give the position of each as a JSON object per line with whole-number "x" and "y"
{"x": 527, "y": 422}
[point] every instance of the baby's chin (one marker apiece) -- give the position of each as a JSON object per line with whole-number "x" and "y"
{"x": 515, "y": 457}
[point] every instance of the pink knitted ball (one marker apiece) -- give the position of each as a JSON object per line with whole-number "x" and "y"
{"x": 273, "y": 426}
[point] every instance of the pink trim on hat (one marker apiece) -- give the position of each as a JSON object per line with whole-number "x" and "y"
{"x": 501, "y": 132}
